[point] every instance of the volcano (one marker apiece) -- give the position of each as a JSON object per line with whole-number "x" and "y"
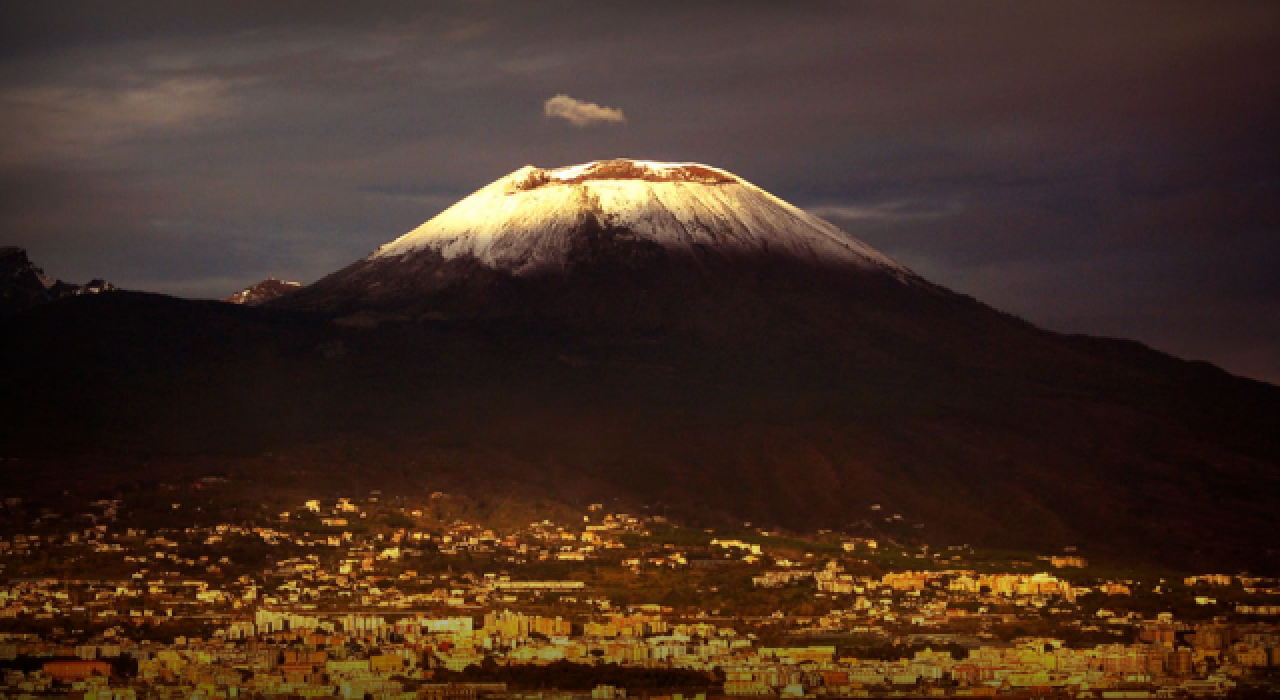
{"x": 632, "y": 220}
{"x": 670, "y": 335}
{"x": 536, "y": 221}
{"x": 533, "y": 219}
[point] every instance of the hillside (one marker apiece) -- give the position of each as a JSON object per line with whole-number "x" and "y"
{"x": 1122, "y": 451}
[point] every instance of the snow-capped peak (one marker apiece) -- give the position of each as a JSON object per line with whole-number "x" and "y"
{"x": 526, "y": 222}
{"x": 530, "y": 177}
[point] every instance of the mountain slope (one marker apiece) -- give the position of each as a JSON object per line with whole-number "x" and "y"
{"x": 1119, "y": 450}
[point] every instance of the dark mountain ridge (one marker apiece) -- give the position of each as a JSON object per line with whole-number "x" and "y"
{"x": 1122, "y": 450}
{"x": 263, "y": 292}
{"x": 23, "y": 285}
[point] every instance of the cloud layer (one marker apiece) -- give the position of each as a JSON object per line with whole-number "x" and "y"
{"x": 581, "y": 113}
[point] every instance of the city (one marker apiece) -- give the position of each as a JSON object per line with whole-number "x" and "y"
{"x": 388, "y": 596}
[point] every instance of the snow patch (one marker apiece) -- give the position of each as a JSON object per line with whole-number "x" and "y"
{"x": 527, "y": 221}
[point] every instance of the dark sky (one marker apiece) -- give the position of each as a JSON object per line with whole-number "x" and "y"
{"x": 1110, "y": 168}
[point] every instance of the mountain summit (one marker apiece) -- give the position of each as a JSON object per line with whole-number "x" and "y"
{"x": 529, "y": 221}
{"x": 610, "y": 225}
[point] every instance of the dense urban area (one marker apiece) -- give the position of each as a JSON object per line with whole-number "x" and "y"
{"x": 189, "y": 590}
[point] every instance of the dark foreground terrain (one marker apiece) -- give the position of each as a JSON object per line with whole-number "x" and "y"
{"x": 804, "y": 412}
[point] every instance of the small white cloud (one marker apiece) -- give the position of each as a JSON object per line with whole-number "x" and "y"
{"x": 581, "y": 113}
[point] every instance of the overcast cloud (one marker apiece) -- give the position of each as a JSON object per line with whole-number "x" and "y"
{"x": 1111, "y": 168}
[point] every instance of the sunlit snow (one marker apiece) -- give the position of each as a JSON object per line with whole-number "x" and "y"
{"x": 525, "y": 221}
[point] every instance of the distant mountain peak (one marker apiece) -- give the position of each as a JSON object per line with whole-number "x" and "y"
{"x": 262, "y": 292}
{"x": 15, "y": 264}
{"x": 23, "y": 285}
{"x": 530, "y": 221}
